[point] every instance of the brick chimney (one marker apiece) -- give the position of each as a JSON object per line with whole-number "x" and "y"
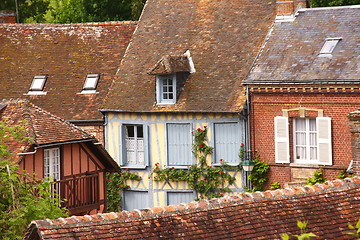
{"x": 7, "y": 16}
{"x": 289, "y": 7}
{"x": 354, "y": 118}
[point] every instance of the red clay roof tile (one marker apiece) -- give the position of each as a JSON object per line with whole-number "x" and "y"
{"x": 327, "y": 210}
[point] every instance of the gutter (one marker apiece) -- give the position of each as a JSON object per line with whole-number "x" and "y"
{"x": 56, "y": 144}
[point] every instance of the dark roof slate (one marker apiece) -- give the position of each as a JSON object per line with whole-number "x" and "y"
{"x": 223, "y": 37}
{"x": 327, "y": 207}
{"x": 66, "y": 53}
{"x": 292, "y": 50}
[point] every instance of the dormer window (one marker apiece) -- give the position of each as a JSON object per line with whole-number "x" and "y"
{"x": 166, "y": 89}
{"x": 329, "y": 45}
{"x": 37, "y": 85}
{"x": 90, "y": 84}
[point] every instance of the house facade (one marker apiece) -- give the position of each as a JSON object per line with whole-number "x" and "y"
{"x": 301, "y": 88}
{"x": 76, "y": 161}
{"x": 182, "y": 70}
{"x": 65, "y": 69}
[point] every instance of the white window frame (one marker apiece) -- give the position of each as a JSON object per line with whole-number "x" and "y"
{"x": 329, "y": 45}
{"x": 91, "y": 83}
{"x": 307, "y": 145}
{"x": 37, "y": 85}
{"x": 123, "y": 146}
{"x": 159, "y": 89}
{"x": 52, "y": 163}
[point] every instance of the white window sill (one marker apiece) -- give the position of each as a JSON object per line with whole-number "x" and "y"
{"x": 179, "y": 167}
{"x": 88, "y": 92}
{"x": 164, "y": 104}
{"x": 36, "y": 93}
{"x": 230, "y": 164}
{"x": 305, "y": 165}
{"x": 133, "y": 167}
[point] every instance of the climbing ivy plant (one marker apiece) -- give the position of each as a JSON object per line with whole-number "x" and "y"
{"x": 116, "y": 182}
{"x": 204, "y": 179}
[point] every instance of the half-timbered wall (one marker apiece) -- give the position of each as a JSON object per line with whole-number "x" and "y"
{"x": 167, "y": 140}
{"x": 76, "y": 160}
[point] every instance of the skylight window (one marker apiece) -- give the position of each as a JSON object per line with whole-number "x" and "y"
{"x": 329, "y": 45}
{"x": 38, "y": 83}
{"x": 91, "y": 83}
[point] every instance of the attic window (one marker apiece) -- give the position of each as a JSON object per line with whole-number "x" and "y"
{"x": 329, "y": 45}
{"x": 37, "y": 85}
{"x": 91, "y": 83}
{"x": 166, "y": 89}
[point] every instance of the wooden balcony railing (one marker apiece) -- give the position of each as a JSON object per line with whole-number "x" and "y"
{"x": 80, "y": 192}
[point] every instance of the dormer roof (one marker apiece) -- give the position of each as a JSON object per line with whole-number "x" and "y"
{"x": 171, "y": 64}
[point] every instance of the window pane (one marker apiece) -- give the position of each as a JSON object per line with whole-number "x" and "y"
{"x": 305, "y": 139}
{"x": 134, "y": 144}
{"x": 300, "y": 124}
{"x": 90, "y": 83}
{"x": 300, "y": 138}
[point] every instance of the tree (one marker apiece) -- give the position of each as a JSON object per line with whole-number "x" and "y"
{"x": 22, "y": 197}
{"x": 329, "y": 3}
{"x": 69, "y": 11}
{"x": 29, "y": 10}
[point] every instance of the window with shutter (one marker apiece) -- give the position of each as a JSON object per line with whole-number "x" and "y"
{"x": 227, "y": 142}
{"x": 179, "y": 144}
{"x": 52, "y": 163}
{"x": 282, "y": 154}
{"x": 180, "y": 197}
{"x": 134, "y": 145}
{"x": 135, "y": 200}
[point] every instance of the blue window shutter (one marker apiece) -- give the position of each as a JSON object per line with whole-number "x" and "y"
{"x": 122, "y": 151}
{"x": 227, "y": 142}
{"x": 179, "y": 144}
{"x": 180, "y": 197}
{"x": 135, "y": 200}
{"x": 146, "y": 145}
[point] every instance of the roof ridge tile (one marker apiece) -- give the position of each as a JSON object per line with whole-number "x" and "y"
{"x": 204, "y": 203}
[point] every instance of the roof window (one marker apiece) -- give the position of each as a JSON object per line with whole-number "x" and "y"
{"x": 90, "y": 84}
{"x": 329, "y": 45}
{"x": 37, "y": 85}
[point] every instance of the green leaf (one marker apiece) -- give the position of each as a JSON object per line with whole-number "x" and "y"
{"x": 285, "y": 236}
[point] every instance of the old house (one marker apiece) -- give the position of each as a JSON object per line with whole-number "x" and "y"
{"x": 183, "y": 70}
{"x": 76, "y": 161}
{"x": 65, "y": 69}
{"x": 327, "y": 207}
{"x": 302, "y": 86}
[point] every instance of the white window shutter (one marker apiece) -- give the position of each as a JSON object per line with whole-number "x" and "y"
{"x": 282, "y": 154}
{"x": 323, "y": 126}
{"x": 122, "y": 160}
{"x": 146, "y": 145}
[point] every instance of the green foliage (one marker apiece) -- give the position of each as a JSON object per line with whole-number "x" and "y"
{"x": 205, "y": 179}
{"x": 344, "y": 174}
{"x": 354, "y": 230}
{"x": 29, "y": 10}
{"x": 303, "y": 235}
{"x": 22, "y": 197}
{"x": 115, "y": 183}
{"x": 258, "y": 176}
{"x": 329, "y": 3}
{"x": 275, "y": 185}
{"x": 318, "y": 177}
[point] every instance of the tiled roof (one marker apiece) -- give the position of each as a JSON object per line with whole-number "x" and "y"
{"x": 223, "y": 37}
{"x": 327, "y": 207}
{"x": 292, "y": 51}
{"x": 66, "y": 53}
{"x": 41, "y": 126}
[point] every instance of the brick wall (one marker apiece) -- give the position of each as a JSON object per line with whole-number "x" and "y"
{"x": 288, "y": 7}
{"x": 354, "y": 119}
{"x": 7, "y": 16}
{"x": 337, "y": 106}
